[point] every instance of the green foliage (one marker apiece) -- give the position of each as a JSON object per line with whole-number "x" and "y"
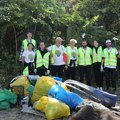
{"x": 99, "y": 19}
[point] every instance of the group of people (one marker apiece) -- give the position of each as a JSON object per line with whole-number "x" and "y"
{"x": 58, "y": 60}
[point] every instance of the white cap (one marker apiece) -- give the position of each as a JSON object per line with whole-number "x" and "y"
{"x": 73, "y": 40}
{"x": 108, "y": 41}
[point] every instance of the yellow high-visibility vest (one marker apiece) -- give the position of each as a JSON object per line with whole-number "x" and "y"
{"x": 25, "y": 71}
{"x": 110, "y": 57}
{"x": 97, "y": 57}
{"x": 84, "y": 58}
{"x": 53, "y": 52}
{"x": 68, "y": 51}
{"x": 40, "y": 61}
{"x": 25, "y": 43}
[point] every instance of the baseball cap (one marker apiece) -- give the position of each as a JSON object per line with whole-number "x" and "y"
{"x": 108, "y": 41}
{"x": 73, "y": 40}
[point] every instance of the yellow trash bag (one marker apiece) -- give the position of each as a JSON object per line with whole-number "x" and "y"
{"x": 42, "y": 87}
{"x": 52, "y": 107}
{"x": 40, "y": 105}
{"x": 22, "y": 81}
{"x": 64, "y": 86}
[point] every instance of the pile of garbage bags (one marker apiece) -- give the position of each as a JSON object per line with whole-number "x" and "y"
{"x": 44, "y": 94}
{"x": 55, "y": 100}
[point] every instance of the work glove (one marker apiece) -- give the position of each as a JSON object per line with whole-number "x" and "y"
{"x": 101, "y": 68}
{"x": 66, "y": 67}
{"x": 35, "y": 71}
{"x": 48, "y": 72}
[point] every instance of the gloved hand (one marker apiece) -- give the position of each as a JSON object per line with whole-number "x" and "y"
{"x": 101, "y": 68}
{"x": 48, "y": 72}
{"x": 66, "y": 67}
{"x": 35, "y": 71}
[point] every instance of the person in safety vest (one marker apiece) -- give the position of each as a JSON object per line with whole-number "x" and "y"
{"x": 25, "y": 43}
{"x": 42, "y": 60}
{"x": 85, "y": 62}
{"x": 57, "y": 59}
{"x": 28, "y": 58}
{"x": 97, "y": 58}
{"x": 109, "y": 59}
{"x": 72, "y": 56}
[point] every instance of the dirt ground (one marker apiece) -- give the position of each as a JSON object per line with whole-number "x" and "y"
{"x": 16, "y": 114}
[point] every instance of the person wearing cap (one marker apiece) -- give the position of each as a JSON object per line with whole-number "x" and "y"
{"x": 25, "y": 43}
{"x": 97, "y": 58}
{"x": 85, "y": 62}
{"x": 109, "y": 59}
{"x": 57, "y": 60}
{"x": 72, "y": 55}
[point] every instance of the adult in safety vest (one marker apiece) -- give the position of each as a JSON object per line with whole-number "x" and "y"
{"x": 72, "y": 56}
{"x": 25, "y": 43}
{"x": 97, "y": 58}
{"x": 85, "y": 62}
{"x": 28, "y": 58}
{"x": 57, "y": 52}
{"x": 42, "y": 60}
{"x": 109, "y": 59}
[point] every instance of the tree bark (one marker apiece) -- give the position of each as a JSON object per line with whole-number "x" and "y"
{"x": 15, "y": 36}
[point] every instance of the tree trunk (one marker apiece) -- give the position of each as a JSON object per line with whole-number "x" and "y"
{"x": 15, "y": 43}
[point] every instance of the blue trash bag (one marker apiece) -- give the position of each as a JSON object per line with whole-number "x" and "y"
{"x": 69, "y": 98}
{"x": 57, "y": 78}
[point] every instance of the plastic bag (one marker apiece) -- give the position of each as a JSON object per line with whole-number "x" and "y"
{"x": 57, "y": 78}
{"x": 4, "y": 105}
{"x": 7, "y": 98}
{"x": 52, "y": 107}
{"x": 30, "y": 90}
{"x": 42, "y": 87}
{"x": 2, "y": 96}
{"x": 23, "y": 81}
{"x": 40, "y": 105}
{"x": 64, "y": 87}
{"x": 56, "y": 110}
{"x": 6, "y": 95}
{"x": 69, "y": 98}
{"x": 10, "y": 97}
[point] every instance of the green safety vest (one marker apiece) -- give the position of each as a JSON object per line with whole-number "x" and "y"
{"x": 68, "y": 51}
{"x": 84, "y": 58}
{"x": 97, "y": 57}
{"x": 40, "y": 61}
{"x": 53, "y": 52}
{"x": 25, "y": 71}
{"x": 25, "y": 43}
{"x": 110, "y": 58}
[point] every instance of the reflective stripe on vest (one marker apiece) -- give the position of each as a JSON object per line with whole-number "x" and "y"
{"x": 42, "y": 61}
{"x": 25, "y": 43}
{"x": 110, "y": 58}
{"x": 25, "y": 71}
{"x": 68, "y": 51}
{"x": 84, "y": 58}
{"x": 97, "y": 57}
{"x": 53, "y": 52}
